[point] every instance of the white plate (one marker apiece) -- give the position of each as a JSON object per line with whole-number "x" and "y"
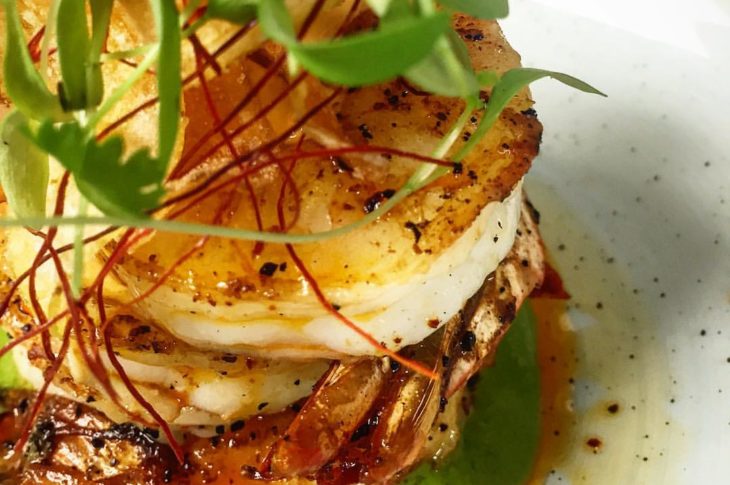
{"x": 637, "y": 188}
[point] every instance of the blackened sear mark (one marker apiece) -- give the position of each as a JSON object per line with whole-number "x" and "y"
{"x": 473, "y": 35}
{"x": 364, "y": 429}
{"x": 414, "y": 228}
{"x": 533, "y": 211}
{"x": 361, "y": 432}
{"x": 237, "y": 425}
{"x": 376, "y": 199}
{"x": 365, "y": 131}
{"x": 128, "y": 432}
{"x": 140, "y": 330}
{"x": 506, "y": 311}
{"x": 42, "y": 438}
{"x": 468, "y": 340}
{"x": 229, "y": 358}
{"x": 342, "y": 165}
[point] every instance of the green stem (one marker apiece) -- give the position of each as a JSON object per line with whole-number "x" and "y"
{"x": 78, "y": 251}
{"x": 127, "y": 54}
{"x": 101, "y": 11}
{"x": 192, "y": 228}
{"x": 47, "y": 36}
{"x": 123, "y": 88}
{"x": 427, "y": 6}
{"x": 446, "y": 51}
{"x": 428, "y": 173}
{"x": 485, "y": 124}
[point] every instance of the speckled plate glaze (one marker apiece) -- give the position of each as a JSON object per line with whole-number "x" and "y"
{"x": 635, "y": 196}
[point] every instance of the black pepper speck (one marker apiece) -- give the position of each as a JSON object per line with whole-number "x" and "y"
{"x": 268, "y": 269}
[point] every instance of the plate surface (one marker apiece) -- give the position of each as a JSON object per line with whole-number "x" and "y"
{"x": 635, "y": 196}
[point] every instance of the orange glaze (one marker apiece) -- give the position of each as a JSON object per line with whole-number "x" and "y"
{"x": 557, "y": 361}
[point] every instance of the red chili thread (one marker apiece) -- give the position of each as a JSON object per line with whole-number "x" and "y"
{"x": 306, "y": 25}
{"x": 248, "y": 156}
{"x": 414, "y": 366}
{"x": 311, "y": 17}
{"x": 348, "y": 18}
{"x": 34, "y": 45}
{"x": 181, "y": 167}
{"x": 47, "y": 243}
{"x": 211, "y": 180}
{"x": 186, "y": 80}
{"x": 229, "y": 142}
{"x": 76, "y": 318}
{"x": 264, "y": 111}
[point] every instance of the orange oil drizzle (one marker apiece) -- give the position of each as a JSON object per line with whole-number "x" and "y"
{"x": 556, "y": 359}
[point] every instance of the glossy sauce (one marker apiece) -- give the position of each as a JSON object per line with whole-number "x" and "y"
{"x": 557, "y": 361}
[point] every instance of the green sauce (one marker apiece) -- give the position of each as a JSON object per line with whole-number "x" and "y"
{"x": 501, "y": 436}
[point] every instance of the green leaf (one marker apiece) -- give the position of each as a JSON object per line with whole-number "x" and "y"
{"x": 101, "y": 11}
{"x": 235, "y": 11}
{"x": 9, "y": 376}
{"x": 501, "y": 436}
{"x": 23, "y": 168}
{"x": 511, "y": 83}
{"x": 276, "y": 22}
{"x": 361, "y": 59}
{"x": 371, "y": 57}
{"x": 73, "y": 48}
{"x": 398, "y": 10}
{"x": 169, "y": 82}
{"x": 483, "y": 9}
{"x": 487, "y": 79}
{"x": 64, "y": 142}
{"x": 117, "y": 187}
{"x": 447, "y": 70}
{"x": 23, "y": 83}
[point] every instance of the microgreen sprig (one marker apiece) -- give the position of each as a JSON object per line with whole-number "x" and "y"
{"x": 23, "y": 83}
{"x": 413, "y": 40}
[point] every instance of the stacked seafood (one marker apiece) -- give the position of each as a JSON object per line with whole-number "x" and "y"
{"x": 327, "y": 361}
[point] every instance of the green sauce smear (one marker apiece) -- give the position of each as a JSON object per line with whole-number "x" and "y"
{"x": 500, "y": 438}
